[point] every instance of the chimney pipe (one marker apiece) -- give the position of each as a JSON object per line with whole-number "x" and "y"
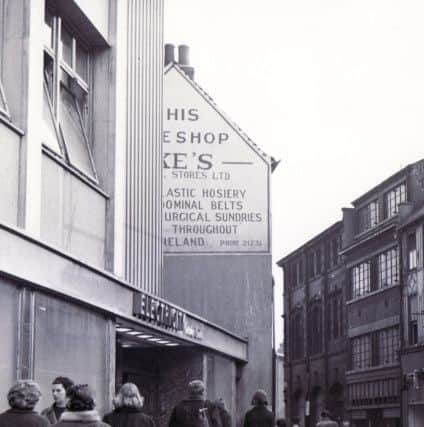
{"x": 169, "y": 53}
{"x": 183, "y": 60}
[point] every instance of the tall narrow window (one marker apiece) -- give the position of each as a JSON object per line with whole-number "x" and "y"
{"x": 388, "y": 346}
{"x": 315, "y": 329}
{"x": 392, "y": 200}
{"x": 412, "y": 251}
{"x": 361, "y": 279}
{"x": 67, "y": 87}
{"x": 388, "y": 268}
{"x": 298, "y": 335}
{"x": 319, "y": 260}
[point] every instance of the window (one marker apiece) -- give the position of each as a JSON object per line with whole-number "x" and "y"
{"x": 388, "y": 346}
{"x": 361, "y": 279}
{"x": 298, "y": 335}
{"x": 361, "y": 352}
{"x": 319, "y": 261}
{"x": 311, "y": 264}
{"x": 368, "y": 216}
{"x": 412, "y": 251}
{"x": 66, "y": 97}
{"x": 393, "y": 198}
{"x": 315, "y": 329}
{"x": 335, "y": 315}
{"x": 413, "y": 332}
{"x": 388, "y": 268}
{"x": 300, "y": 271}
{"x": 4, "y": 109}
{"x": 334, "y": 253}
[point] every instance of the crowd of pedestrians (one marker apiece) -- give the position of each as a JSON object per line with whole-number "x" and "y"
{"x": 74, "y": 406}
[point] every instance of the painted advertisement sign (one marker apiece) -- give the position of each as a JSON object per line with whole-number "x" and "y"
{"x": 215, "y": 182}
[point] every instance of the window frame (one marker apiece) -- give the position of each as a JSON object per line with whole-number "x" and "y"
{"x": 393, "y": 198}
{"x": 388, "y": 268}
{"x": 64, "y": 76}
{"x": 360, "y": 279}
{"x": 368, "y": 216}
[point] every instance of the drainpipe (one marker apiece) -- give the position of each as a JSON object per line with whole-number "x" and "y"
{"x": 401, "y": 324}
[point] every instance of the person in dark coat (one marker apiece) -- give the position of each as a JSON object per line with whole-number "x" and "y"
{"x": 59, "y": 387}
{"x": 259, "y": 415}
{"x": 80, "y": 410}
{"x": 218, "y": 414}
{"x": 193, "y": 411}
{"x": 22, "y": 397}
{"x": 127, "y": 413}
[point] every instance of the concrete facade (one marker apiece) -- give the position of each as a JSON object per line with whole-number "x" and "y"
{"x": 81, "y": 246}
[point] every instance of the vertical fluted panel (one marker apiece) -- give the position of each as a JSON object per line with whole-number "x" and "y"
{"x": 143, "y": 262}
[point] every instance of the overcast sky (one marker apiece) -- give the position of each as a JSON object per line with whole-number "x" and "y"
{"x": 334, "y": 88}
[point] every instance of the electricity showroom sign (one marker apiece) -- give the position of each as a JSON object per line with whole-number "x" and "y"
{"x": 215, "y": 180}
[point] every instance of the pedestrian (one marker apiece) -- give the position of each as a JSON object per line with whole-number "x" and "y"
{"x": 193, "y": 411}
{"x": 259, "y": 415}
{"x": 127, "y": 412}
{"x": 22, "y": 398}
{"x": 218, "y": 413}
{"x": 59, "y": 387}
{"x": 281, "y": 422}
{"x": 326, "y": 420}
{"x": 80, "y": 410}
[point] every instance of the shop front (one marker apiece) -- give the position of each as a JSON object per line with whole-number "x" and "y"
{"x": 63, "y": 317}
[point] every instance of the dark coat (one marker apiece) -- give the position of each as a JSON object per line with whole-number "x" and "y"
{"x": 22, "y": 418}
{"x": 186, "y": 413}
{"x": 259, "y": 416}
{"x": 50, "y": 414}
{"x": 81, "y": 419}
{"x": 128, "y": 417}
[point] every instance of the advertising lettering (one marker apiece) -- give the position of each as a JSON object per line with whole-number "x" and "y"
{"x": 215, "y": 186}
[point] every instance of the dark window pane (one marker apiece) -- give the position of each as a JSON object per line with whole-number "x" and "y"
{"x": 66, "y": 45}
{"x": 73, "y": 133}
{"x": 82, "y": 62}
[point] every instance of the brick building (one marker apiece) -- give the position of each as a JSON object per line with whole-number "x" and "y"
{"x": 314, "y": 326}
{"x": 382, "y": 315}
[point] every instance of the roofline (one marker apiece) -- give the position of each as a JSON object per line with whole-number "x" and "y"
{"x": 264, "y": 156}
{"x": 310, "y": 242}
{"x": 392, "y": 177}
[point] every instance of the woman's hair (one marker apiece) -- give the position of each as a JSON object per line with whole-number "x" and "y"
{"x": 129, "y": 397}
{"x": 24, "y": 394}
{"x": 80, "y": 398}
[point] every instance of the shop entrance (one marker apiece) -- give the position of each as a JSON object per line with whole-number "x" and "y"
{"x": 161, "y": 367}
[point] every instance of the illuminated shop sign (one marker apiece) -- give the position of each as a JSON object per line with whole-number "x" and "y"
{"x": 215, "y": 181}
{"x": 163, "y": 315}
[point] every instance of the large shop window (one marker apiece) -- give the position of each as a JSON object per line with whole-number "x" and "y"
{"x": 66, "y": 95}
{"x": 392, "y": 200}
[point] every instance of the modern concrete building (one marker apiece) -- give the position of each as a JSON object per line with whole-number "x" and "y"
{"x": 217, "y": 251}
{"x": 314, "y": 328}
{"x": 81, "y": 258}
